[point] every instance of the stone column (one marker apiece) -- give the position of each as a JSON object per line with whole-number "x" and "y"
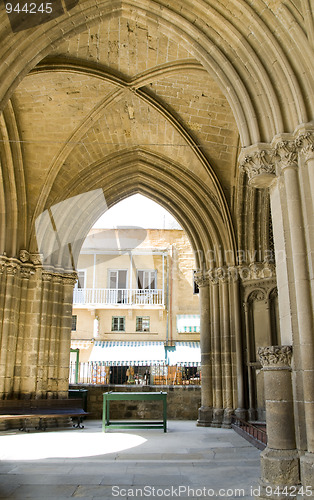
{"x": 43, "y": 340}
{"x": 223, "y": 275}
{"x": 279, "y": 460}
{"x": 53, "y": 353}
{"x": 9, "y": 329}
{"x": 216, "y": 350}
{"x": 25, "y": 273}
{"x": 251, "y": 388}
{"x": 205, "y": 412}
{"x": 240, "y": 410}
{"x": 68, "y": 282}
{"x": 300, "y": 211}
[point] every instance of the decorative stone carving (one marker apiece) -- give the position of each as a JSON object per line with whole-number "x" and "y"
{"x": 257, "y": 295}
{"x": 305, "y": 143}
{"x": 69, "y": 279}
{"x": 46, "y": 276}
{"x": 12, "y": 268}
{"x": 287, "y": 154}
{"x": 24, "y": 256}
{"x": 201, "y": 279}
{"x": 259, "y": 165}
{"x": 275, "y": 356}
{"x": 26, "y": 272}
{"x": 36, "y": 258}
{"x": 257, "y": 270}
{"x": 223, "y": 274}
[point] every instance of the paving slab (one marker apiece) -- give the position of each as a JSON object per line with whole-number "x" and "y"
{"x": 90, "y": 465}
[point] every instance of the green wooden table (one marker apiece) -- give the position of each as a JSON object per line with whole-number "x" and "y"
{"x": 134, "y": 396}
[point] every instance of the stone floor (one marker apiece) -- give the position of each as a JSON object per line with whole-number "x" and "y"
{"x": 186, "y": 462}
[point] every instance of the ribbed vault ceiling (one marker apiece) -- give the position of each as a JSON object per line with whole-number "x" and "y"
{"x": 188, "y": 83}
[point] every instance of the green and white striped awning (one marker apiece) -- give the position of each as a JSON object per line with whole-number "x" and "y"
{"x": 188, "y": 323}
{"x": 145, "y": 353}
{"x": 128, "y": 353}
{"x": 185, "y": 354}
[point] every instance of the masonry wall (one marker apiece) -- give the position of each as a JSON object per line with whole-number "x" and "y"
{"x": 183, "y": 402}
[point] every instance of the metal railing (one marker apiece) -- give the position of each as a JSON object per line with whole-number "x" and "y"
{"x": 124, "y": 296}
{"x": 162, "y": 374}
{"x": 255, "y": 434}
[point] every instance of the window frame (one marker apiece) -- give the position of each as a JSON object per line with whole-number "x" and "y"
{"x": 117, "y": 271}
{"x": 82, "y": 271}
{"x": 146, "y": 271}
{"x": 119, "y": 318}
{"x": 74, "y": 322}
{"x": 145, "y": 318}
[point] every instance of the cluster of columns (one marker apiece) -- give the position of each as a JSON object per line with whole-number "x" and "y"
{"x": 221, "y": 347}
{"x": 35, "y": 309}
{"x": 286, "y": 167}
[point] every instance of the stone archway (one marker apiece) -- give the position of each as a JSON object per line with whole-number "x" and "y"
{"x": 245, "y": 77}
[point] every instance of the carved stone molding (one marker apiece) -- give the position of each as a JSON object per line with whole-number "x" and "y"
{"x": 258, "y": 162}
{"x": 287, "y": 154}
{"x": 36, "y": 258}
{"x": 305, "y": 143}
{"x": 12, "y": 268}
{"x": 275, "y": 356}
{"x": 256, "y": 271}
{"x": 24, "y": 256}
{"x": 70, "y": 279}
{"x": 257, "y": 295}
{"x": 201, "y": 279}
{"x": 223, "y": 274}
{"x": 46, "y": 276}
{"x": 26, "y": 272}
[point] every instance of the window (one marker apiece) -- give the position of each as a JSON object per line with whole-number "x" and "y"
{"x": 74, "y": 321}
{"x": 118, "y": 279}
{"x": 118, "y": 324}
{"x": 80, "y": 279}
{"x": 195, "y": 285}
{"x": 147, "y": 279}
{"x": 118, "y": 286}
{"x": 142, "y": 323}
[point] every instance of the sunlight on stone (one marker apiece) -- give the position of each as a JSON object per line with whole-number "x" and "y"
{"x": 64, "y": 445}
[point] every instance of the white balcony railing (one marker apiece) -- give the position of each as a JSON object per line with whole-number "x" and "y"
{"x": 123, "y": 296}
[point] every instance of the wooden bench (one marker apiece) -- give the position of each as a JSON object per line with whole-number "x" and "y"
{"x": 41, "y": 409}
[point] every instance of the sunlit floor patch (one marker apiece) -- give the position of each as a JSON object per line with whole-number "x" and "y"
{"x": 65, "y": 444}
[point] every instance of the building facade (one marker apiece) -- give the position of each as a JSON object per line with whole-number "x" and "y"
{"x": 136, "y": 288}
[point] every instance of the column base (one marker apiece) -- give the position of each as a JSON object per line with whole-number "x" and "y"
{"x": 307, "y": 470}
{"x": 227, "y": 418}
{"x": 218, "y": 414}
{"x": 279, "y": 470}
{"x": 241, "y": 413}
{"x": 205, "y": 416}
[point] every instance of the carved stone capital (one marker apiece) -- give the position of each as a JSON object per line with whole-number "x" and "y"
{"x": 233, "y": 273}
{"x": 275, "y": 356}
{"x": 287, "y": 154}
{"x": 223, "y": 274}
{"x": 26, "y": 272}
{"x": 46, "y": 276}
{"x": 212, "y": 276}
{"x": 24, "y": 256}
{"x": 201, "y": 279}
{"x": 70, "y": 279}
{"x": 12, "y": 268}
{"x": 257, "y": 271}
{"x": 36, "y": 258}
{"x": 305, "y": 143}
{"x": 259, "y": 164}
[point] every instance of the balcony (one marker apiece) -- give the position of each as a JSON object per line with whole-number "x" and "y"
{"x": 117, "y": 297}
